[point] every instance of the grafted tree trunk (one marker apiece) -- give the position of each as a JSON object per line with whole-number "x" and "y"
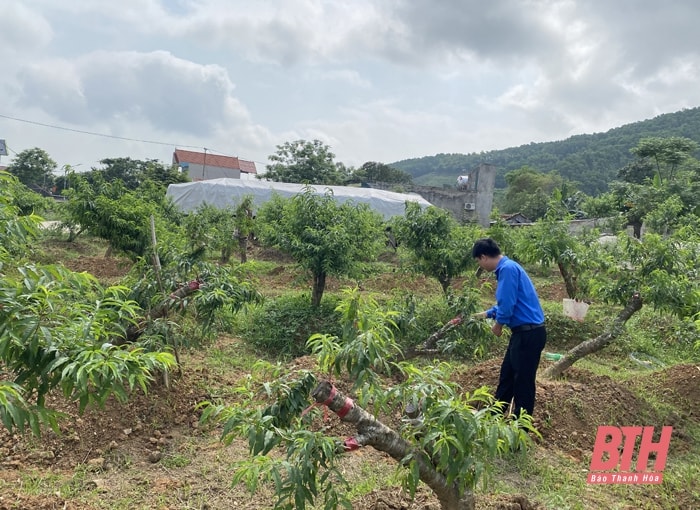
{"x": 569, "y": 281}
{"x": 372, "y": 432}
{"x": 596, "y": 344}
{"x": 431, "y": 343}
{"x": 134, "y": 331}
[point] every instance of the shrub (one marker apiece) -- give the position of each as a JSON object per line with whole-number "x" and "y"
{"x": 282, "y": 325}
{"x": 564, "y": 332}
{"x": 661, "y": 335}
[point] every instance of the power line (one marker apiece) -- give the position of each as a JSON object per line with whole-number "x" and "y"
{"x": 94, "y": 133}
{"x": 104, "y": 135}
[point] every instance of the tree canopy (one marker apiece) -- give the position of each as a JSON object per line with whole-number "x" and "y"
{"x": 111, "y": 211}
{"x": 528, "y": 191}
{"x": 660, "y": 188}
{"x": 439, "y": 246}
{"x": 667, "y": 154}
{"x": 34, "y": 168}
{"x": 322, "y": 236}
{"x": 133, "y": 172}
{"x": 304, "y": 162}
{"x": 373, "y": 171}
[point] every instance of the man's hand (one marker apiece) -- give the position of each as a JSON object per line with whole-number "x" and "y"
{"x": 497, "y": 329}
{"x": 480, "y": 315}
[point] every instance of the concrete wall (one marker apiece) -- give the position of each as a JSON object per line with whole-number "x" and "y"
{"x": 478, "y": 194}
{"x": 470, "y": 205}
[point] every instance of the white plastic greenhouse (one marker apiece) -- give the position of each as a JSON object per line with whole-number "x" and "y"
{"x": 229, "y": 192}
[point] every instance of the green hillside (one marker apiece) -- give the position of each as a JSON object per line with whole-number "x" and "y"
{"x": 590, "y": 160}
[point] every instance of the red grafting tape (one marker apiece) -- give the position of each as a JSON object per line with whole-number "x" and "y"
{"x": 326, "y": 402}
{"x": 330, "y": 398}
{"x": 351, "y": 444}
{"x": 456, "y": 321}
{"x": 346, "y": 408}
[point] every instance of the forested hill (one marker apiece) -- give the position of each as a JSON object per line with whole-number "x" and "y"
{"x": 590, "y": 160}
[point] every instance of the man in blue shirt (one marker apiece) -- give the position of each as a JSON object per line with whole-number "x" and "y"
{"x": 517, "y": 307}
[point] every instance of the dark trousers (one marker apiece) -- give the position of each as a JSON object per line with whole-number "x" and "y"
{"x": 519, "y": 368}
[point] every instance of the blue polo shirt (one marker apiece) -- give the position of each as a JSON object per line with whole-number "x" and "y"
{"x": 516, "y": 299}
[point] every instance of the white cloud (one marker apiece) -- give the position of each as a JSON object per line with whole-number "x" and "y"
{"x": 377, "y": 80}
{"x": 22, "y": 30}
{"x": 170, "y": 93}
{"x": 345, "y": 76}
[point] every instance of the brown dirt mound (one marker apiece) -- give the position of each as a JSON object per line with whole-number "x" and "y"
{"x": 102, "y": 268}
{"x": 569, "y": 411}
{"x": 143, "y": 425}
{"x": 678, "y": 385}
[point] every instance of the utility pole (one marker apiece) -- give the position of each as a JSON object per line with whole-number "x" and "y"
{"x": 3, "y": 149}
{"x": 204, "y": 166}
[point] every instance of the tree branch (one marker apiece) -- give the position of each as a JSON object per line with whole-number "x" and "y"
{"x": 429, "y": 347}
{"x": 134, "y": 331}
{"x": 596, "y": 344}
{"x": 372, "y": 432}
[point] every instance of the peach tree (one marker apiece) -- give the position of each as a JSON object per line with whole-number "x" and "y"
{"x": 447, "y": 439}
{"x": 439, "y": 247}
{"x": 323, "y": 236}
{"x": 65, "y": 331}
{"x": 658, "y": 271}
{"x": 550, "y": 241}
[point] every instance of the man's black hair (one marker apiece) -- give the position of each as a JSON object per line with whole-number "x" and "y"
{"x": 486, "y": 246}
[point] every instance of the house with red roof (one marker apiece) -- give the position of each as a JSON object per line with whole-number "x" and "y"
{"x": 202, "y": 166}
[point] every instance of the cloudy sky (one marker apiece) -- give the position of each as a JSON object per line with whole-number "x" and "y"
{"x": 377, "y": 80}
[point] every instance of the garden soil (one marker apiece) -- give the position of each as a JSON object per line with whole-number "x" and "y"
{"x": 154, "y": 450}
